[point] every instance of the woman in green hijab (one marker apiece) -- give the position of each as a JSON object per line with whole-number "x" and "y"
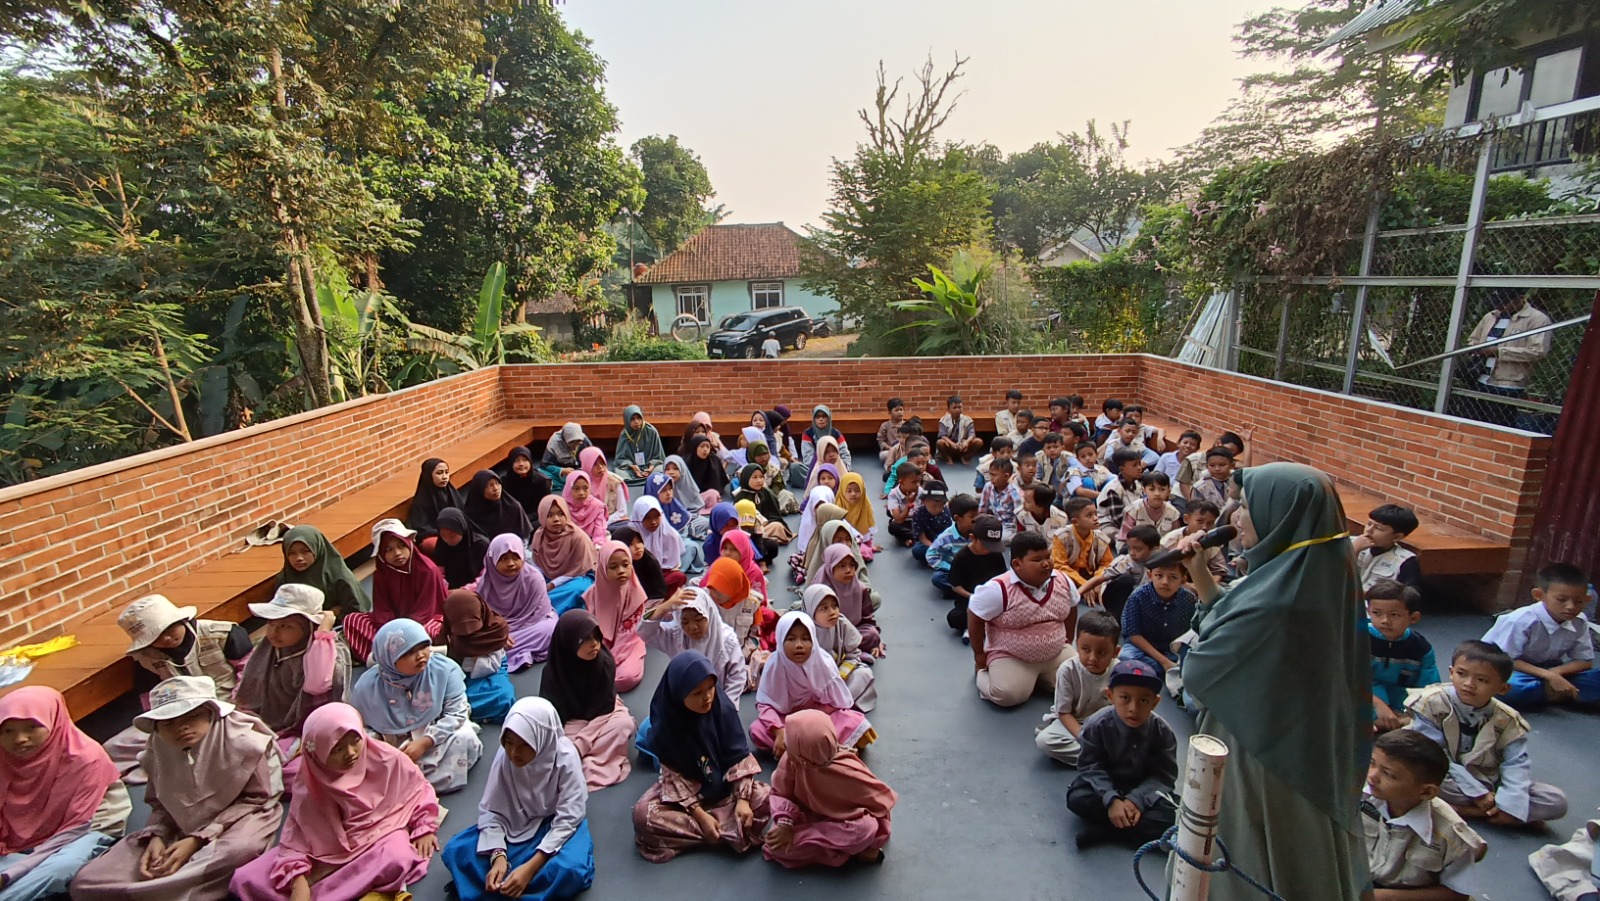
{"x": 1282, "y": 674}
{"x": 309, "y": 558}
{"x": 639, "y": 450}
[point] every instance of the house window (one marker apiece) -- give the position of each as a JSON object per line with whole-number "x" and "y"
{"x": 695, "y": 300}
{"x": 766, "y": 294}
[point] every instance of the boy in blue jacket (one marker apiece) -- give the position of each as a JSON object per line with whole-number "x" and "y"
{"x": 1401, "y": 658}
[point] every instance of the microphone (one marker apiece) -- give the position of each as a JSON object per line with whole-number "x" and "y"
{"x": 1217, "y": 537}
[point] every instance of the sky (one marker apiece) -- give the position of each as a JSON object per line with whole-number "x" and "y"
{"x": 767, "y": 92}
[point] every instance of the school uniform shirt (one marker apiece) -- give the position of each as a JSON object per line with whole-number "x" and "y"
{"x": 1112, "y": 503}
{"x": 1114, "y": 444}
{"x": 1213, "y": 490}
{"x": 925, "y": 523}
{"x": 1169, "y": 463}
{"x": 1055, "y": 520}
{"x": 1079, "y": 693}
{"x": 1160, "y": 621}
{"x": 1119, "y": 761}
{"x": 1212, "y": 555}
{"x": 1530, "y": 634}
{"x": 969, "y": 570}
{"x": 1005, "y": 423}
{"x": 1407, "y": 662}
{"x": 888, "y": 434}
{"x": 944, "y": 548}
{"x": 1094, "y": 478}
{"x": 1124, "y": 565}
{"x": 1487, "y": 746}
{"x": 1395, "y": 563}
{"x": 1427, "y": 845}
{"x": 1001, "y": 504}
{"x": 1054, "y": 472}
{"x": 1138, "y": 514}
{"x": 958, "y": 431}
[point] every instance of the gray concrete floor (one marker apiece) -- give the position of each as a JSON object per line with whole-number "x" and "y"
{"x": 981, "y": 813}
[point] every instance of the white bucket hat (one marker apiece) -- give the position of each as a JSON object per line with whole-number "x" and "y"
{"x": 293, "y": 599}
{"x": 177, "y": 696}
{"x": 149, "y": 616}
{"x": 389, "y": 527}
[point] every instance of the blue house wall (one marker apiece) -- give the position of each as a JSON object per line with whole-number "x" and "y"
{"x": 729, "y": 297}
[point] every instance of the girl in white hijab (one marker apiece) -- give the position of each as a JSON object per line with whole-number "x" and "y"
{"x": 532, "y": 837}
{"x": 802, "y": 676}
{"x": 689, "y": 621}
{"x": 663, "y": 541}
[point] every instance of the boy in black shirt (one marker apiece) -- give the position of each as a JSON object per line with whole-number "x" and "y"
{"x": 981, "y": 560}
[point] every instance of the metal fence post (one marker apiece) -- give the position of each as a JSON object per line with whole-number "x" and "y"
{"x": 1469, "y": 256}
{"x": 1280, "y": 364}
{"x": 1230, "y": 332}
{"x": 1358, "y": 316}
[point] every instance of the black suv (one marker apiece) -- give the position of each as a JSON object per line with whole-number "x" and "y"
{"x": 741, "y": 334}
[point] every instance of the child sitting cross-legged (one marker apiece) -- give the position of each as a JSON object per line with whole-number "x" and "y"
{"x": 982, "y": 559}
{"x": 1486, "y": 740}
{"x": 1401, "y": 658}
{"x": 904, "y": 499}
{"x": 1000, "y": 497}
{"x": 1000, "y": 448}
{"x": 1080, "y": 686}
{"x": 1120, "y": 493}
{"x": 1550, "y": 643}
{"x": 1127, "y": 764}
{"x": 1418, "y": 849}
{"x": 963, "y": 512}
{"x": 930, "y": 519}
{"x": 1157, "y": 614}
{"x": 1126, "y": 572}
{"x": 1081, "y": 551}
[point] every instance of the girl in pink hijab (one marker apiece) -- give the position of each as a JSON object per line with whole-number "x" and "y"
{"x": 617, "y": 602}
{"x": 563, "y": 551}
{"x": 587, "y": 509}
{"x": 61, "y": 800}
{"x": 363, "y": 819}
{"x": 801, "y": 676}
{"x": 605, "y": 484}
{"x": 827, "y": 806}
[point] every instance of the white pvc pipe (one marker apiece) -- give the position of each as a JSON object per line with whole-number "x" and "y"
{"x": 1197, "y": 817}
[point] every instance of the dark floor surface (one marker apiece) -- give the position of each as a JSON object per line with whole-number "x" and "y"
{"x": 981, "y": 812}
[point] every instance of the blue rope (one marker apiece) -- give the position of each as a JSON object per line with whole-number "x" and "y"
{"x": 1222, "y": 864}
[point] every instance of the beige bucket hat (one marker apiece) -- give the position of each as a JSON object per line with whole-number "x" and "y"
{"x": 149, "y": 616}
{"x": 293, "y": 599}
{"x": 177, "y": 696}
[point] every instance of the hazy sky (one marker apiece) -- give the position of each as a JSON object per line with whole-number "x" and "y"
{"x": 767, "y": 92}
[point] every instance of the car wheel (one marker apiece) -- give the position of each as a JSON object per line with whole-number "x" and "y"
{"x": 800, "y": 341}
{"x": 751, "y": 352}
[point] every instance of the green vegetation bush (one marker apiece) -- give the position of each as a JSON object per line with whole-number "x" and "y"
{"x": 630, "y": 341}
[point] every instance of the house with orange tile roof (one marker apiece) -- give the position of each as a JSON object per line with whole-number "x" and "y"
{"x": 728, "y": 269}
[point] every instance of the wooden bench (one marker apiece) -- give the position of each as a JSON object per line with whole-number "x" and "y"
{"x": 1442, "y": 551}
{"x": 858, "y": 427}
{"x": 97, "y": 671}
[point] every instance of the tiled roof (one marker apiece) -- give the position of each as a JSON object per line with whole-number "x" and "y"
{"x": 559, "y": 302}
{"x": 731, "y": 253}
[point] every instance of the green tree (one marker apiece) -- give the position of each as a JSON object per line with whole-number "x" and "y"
{"x": 1460, "y": 36}
{"x": 676, "y": 189}
{"x": 900, "y": 204}
{"x": 1080, "y": 182}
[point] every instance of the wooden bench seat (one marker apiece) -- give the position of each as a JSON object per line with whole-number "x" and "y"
{"x": 96, "y": 672}
{"x": 859, "y": 428}
{"x": 1442, "y": 551}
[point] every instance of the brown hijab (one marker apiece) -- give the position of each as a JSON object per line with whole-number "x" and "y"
{"x": 471, "y": 629}
{"x": 569, "y": 552}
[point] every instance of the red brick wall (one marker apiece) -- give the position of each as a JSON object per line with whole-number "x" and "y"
{"x": 732, "y": 390}
{"x": 1465, "y": 475}
{"x": 82, "y": 541}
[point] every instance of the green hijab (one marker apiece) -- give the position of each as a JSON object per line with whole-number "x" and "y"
{"x": 1281, "y": 660}
{"x": 327, "y": 573}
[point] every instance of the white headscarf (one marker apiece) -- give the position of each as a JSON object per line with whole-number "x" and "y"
{"x": 790, "y": 686}
{"x": 517, "y": 801}
{"x": 720, "y": 645}
{"x": 665, "y": 542}
{"x": 821, "y": 494}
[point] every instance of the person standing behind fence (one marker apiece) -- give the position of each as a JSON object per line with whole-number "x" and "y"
{"x": 1506, "y": 370}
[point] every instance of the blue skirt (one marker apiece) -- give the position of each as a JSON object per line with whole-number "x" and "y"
{"x": 641, "y": 744}
{"x": 570, "y": 594}
{"x": 491, "y": 697}
{"x": 565, "y": 875}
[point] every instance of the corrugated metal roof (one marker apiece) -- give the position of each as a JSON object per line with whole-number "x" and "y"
{"x": 1379, "y": 15}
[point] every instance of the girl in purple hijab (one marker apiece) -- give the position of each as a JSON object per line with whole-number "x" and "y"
{"x": 517, "y": 592}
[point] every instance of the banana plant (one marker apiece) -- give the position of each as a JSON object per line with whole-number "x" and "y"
{"x": 355, "y": 323}
{"x": 952, "y": 309}
{"x": 486, "y": 344}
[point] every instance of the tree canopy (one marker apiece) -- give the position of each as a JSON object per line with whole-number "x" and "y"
{"x": 676, "y": 189}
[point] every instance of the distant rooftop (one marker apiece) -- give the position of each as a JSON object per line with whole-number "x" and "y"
{"x": 767, "y": 250}
{"x": 1376, "y": 17}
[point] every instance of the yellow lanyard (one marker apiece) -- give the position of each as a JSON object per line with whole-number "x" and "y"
{"x": 1310, "y": 541}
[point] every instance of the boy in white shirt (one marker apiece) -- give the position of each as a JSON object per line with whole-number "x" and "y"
{"x": 1080, "y": 686}
{"x": 1417, "y": 846}
{"x": 1005, "y": 421}
{"x": 1549, "y": 643}
{"x": 1171, "y": 461}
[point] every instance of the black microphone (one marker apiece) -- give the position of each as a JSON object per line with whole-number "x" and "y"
{"x": 1217, "y": 537}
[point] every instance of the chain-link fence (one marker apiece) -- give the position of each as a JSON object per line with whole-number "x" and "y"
{"x": 1392, "y": 331}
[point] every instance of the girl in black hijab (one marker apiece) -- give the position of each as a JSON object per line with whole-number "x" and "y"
{"x": 706, "y": 467}
{"x": 461, "y": 562}
{"x": 433, "y": 494}
{"x": 491, "y": 512}
{"x": 521, "y": 479}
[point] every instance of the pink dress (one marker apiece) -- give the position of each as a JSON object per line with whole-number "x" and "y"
{"x": 603, "y": 744}
{"x": 829, "y": 843}
{"x": 850, "y": 725}
{"x": 628, "y": 651}
{"x": 384, "y": 867}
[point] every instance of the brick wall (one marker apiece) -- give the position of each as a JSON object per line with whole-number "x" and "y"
{"x": 732, "y": 390}
{"x": 1465, "y": 475}
{"x": 77, "y": 543}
